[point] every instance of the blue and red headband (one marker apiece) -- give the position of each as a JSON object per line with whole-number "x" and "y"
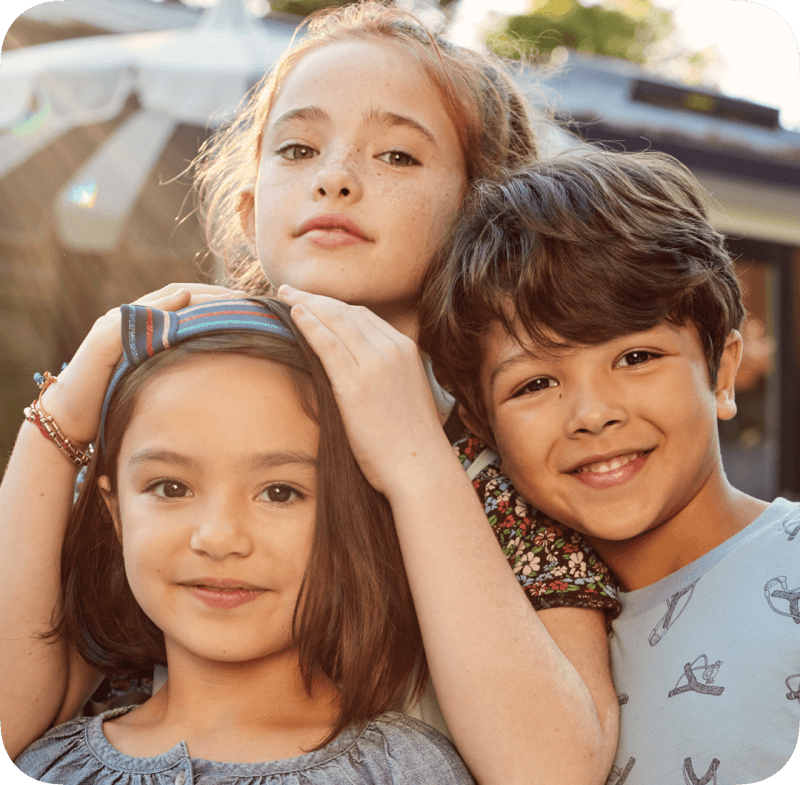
{"x": 147, "y": 331}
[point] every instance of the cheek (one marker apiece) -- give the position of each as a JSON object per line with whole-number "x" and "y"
{"x": 446, "y": 203}
{"x": 523, "y": 443}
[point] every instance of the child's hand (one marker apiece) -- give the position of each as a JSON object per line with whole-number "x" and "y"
{"x": 380, "y": 385}
{"x": 76, "y": 400}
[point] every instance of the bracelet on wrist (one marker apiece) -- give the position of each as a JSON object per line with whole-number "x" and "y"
{"x": 37, "y": 414}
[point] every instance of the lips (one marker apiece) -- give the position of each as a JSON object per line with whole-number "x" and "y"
{"x": 221, "y": 584}
{"x": 331, "y": 225}
{"x": 609, "y": 464}
{"x": 224, "y": 593}
{"x": 224, "y": 598}
{"x": 610, "y": 470}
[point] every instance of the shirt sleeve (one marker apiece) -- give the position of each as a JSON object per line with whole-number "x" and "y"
{"x": 555, "y": 565}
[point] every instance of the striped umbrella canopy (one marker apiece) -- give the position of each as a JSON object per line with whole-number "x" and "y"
{"x": 90, "y": 128}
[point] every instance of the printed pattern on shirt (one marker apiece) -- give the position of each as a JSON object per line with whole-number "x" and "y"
{"x": 706, "y": 662}
{"x": 555, "y": 565}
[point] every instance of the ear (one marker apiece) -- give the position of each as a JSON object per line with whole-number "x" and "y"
{"x": 104, "y": 486}
{"x": 729, "y": 364}
{"x": 247, "y": 214}
{"x": 479, "y": 428}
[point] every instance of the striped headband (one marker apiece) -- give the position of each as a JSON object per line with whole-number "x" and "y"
{"x": 147, "y": 331}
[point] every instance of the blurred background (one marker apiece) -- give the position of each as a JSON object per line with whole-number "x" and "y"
{"x": 103, "y": 104}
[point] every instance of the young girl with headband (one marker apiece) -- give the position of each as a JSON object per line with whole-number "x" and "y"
{"x": 220, "y": 530}
{"x": 340, "y": 177}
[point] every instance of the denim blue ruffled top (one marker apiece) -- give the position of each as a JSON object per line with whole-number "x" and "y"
{"x": 392, "y": 748}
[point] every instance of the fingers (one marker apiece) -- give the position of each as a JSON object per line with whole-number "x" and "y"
{"x": 357, "y": 327}
{"x": 336, "y": 355}
{"x": 175, "y": 296}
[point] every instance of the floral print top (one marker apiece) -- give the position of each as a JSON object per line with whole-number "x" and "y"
{"x": 554, "y": 564}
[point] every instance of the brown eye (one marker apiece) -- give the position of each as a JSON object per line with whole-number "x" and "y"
{"x": 297, "y": 152}
{"x": 637, "y": 357}
{"x": 170, "y": 489}
{"x": 398, "y": 158}
{"x": 280, "y": 494}
{"x": 536, "y": 385}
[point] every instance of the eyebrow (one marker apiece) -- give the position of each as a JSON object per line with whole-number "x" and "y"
{"x": 257, "y": 462}
{"x": 371, "y": 117}
{"x": 507, "y": 365}
{"x": 310, "y": 114}
{"x": 393, "y": 120}
{"x": 519, "y": 355}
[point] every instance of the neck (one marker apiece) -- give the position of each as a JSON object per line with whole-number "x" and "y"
{"x": 405, "y": 322}
{"x": 247, "y": 712}
{"x": 714, "y": 515}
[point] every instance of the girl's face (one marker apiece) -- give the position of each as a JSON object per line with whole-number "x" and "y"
{"x": 360, "y": 173}
{"x": 216, "y": 504}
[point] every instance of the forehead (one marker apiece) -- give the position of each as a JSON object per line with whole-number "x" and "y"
{"x": 358, "y": 77}
{"x": 221, "y": 406}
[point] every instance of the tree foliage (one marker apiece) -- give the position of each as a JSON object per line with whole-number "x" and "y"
{"x": 625, "y": 29}
{"x": 305, "y": 7}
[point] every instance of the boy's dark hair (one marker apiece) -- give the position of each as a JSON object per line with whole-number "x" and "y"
{"x": 354, "y": 621}
{"x": 578, "y": 250}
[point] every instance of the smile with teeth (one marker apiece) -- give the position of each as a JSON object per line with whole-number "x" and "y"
{"x": 610, "y": 465}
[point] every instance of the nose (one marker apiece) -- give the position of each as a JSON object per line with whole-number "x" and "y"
{"x": 338, "y": 178}
{"x": 594, "y": 408}
{"x": 221, "y": 530}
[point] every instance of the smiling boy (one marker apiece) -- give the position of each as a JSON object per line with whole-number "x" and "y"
{"x": 586, "y": 315}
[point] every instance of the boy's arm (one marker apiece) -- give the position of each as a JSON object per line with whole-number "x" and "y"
{"x": 45, "y": 682}
{"x": 528, "y": 697}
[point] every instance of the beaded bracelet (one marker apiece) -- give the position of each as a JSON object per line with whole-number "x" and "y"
{"x": 37, "y": 414}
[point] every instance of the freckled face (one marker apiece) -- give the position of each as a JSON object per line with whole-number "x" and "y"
{"x": 216, "y": 504}
{"x": 611, "y": 440}
{"x": 360, "y": 173}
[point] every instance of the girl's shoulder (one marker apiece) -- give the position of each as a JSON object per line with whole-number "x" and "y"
{"x": 392, "y": 748}
{"x": 414, "y": 751}
{"x": 67, "y": 745}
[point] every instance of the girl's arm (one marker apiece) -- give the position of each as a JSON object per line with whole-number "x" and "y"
{"x": 527, "y": 697}
{"x": 43, "y": 683}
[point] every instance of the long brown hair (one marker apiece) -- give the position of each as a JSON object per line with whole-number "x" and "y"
{"x": 354, "y": 622}
{"x": 488, "y": 111}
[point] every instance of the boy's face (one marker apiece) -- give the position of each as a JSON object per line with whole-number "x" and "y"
{"x": 611, "y": 440}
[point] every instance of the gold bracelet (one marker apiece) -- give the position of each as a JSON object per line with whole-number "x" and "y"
{"x": 37, "y": 414}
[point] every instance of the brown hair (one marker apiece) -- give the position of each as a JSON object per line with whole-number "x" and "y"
{"x": 589, "y": 246}
{"x": 487, "y": 109}
{"x": 354, "y": 621}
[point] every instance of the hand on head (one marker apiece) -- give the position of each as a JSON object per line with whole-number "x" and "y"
{"x": 379, "y": 382}
{"x": 76, "y": 400}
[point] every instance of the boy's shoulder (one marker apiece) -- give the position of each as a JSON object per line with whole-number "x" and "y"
{"x": 705, "y": 660}
{"x": 766, "y": 540}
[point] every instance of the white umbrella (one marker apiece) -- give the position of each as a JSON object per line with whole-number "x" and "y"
{"x": 195, "y": 76}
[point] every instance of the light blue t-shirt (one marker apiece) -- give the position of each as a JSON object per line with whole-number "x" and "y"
{"x": 392, "y": 749}
{"x": 706, "y": 663}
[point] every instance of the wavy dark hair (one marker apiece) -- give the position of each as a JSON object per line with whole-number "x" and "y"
{"x": 357, "y": 627}
{"x": 587, "y": 246}
{"x": 489, "y": 112}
